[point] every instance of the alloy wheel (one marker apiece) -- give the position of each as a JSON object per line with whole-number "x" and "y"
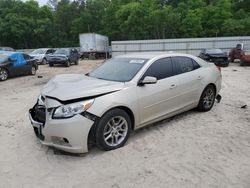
{"x": 3, "y": 74}
{"x": 208, "y": 98}
{"x": 115, "y": 131}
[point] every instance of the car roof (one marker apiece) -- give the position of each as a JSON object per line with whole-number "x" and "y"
{"x": 151, "y": 55}
{"x": 8, "y": 52}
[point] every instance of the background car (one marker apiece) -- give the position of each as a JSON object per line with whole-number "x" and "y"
{"x": 64, "y": 56}
{"x": 40, "y": 55}
{"x": 241, "y": 52}
{"x": 7, "y": 48}
{"x": 16, "y": 63}
{"x": 216, "y": 56}
{"x": 123, "y": 94}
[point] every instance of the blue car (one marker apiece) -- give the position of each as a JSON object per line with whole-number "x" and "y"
{"x": 15, "y": 64}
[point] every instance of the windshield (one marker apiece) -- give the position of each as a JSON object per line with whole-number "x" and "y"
{"x": 118, "y": 69}
{"x": 62, "y": 51}
{"x": 39, "y": 51}
{"x": 214, "y": 51}
{"x": 246, "y": 47}
{"x": 3, "y": 58}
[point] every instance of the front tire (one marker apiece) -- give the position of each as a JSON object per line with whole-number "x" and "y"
{"x": 33, "y": 70}
{"x": 4, "y": 74}
{"x": 113, "y": 130}
{"x": 67, "y": 64}
{"x": 77, "y": 62}
{"x": 44, "y": 61}
{"x": 207, "y": 99}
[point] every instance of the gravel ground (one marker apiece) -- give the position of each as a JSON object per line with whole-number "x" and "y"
{"x": 189, "y": 150}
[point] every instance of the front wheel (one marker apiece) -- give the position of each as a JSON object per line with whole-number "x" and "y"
{"x": 113, "y": 130}
{"x": 67, "y": 64}
{"x": 3, "y": 75}
{"x": 207, "y": 99}
{"x": 44, "y": 61}
{"x": 33, "y": 71}
{"x": 77, "y": 62}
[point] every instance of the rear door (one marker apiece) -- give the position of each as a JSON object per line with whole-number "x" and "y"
{"x": 28, "y": 63}
{"x": 189, "y": 84}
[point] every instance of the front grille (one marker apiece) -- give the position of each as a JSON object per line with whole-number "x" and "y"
{"x": 38, "y": 113}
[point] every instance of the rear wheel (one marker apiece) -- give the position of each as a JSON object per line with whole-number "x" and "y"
{"x": 207, "y": 99}
{"x": 242, "y": 63}
{"x": 113, "y": 130}
{"x": 4, "y": 74}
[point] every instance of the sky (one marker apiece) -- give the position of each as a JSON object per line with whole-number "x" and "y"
{"x": 41, "y": 2}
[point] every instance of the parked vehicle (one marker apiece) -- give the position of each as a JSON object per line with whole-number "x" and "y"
{"x": 241, "y": 52}
{"x": 15, "y": 64}
{"x": 64, "y": 56}
{"x": 216, "y": 56}
{"x": 41, "y": 55}
{"x": 121, "y": 95}
{"x": 94, "y": 45}
{"x": 7, "y": 48}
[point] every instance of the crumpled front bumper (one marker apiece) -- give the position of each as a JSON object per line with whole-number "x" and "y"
{"x": 70, "y": 135}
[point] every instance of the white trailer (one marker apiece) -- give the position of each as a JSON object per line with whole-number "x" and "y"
{"x": 185, "y": 45}
{"x": 95, "y": 45}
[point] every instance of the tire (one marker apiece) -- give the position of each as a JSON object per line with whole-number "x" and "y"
{"x": 77, "y": 62}
{"x": 207, "y": 99}
{"x": 113, "y": 130}
{"x": 51, "y": 64}
{"x": 242, "y": 63}
{"x": 33, "y": 70}
{"x": 4, "y": 74}
{"x": 67, "y": 64}
{"x": 44, "y": 61}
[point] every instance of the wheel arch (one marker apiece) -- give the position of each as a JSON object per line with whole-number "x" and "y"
{"x": 213, "y": 85}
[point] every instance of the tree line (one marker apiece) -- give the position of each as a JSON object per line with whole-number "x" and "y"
{"x": 58, "y": 24}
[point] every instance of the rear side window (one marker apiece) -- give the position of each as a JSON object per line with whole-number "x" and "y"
{"x": 184, "y": 64}
{"x": 160, "y": 69}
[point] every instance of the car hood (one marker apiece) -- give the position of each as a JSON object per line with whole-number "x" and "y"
{"x": 58, "y": 55}
{"x": 216, "y": 55}
{"x": 37, "y": 55}
{"x": 67, "y": 87}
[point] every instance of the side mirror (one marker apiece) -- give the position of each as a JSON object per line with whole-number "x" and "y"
{"x": 148, "y": 80}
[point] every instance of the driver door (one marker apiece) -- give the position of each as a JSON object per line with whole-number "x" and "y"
{"x": 156, "y": 100}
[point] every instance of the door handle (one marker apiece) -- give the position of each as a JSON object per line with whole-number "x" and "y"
{"x": 199, "y": 78}
{"x": 172, "y": 86}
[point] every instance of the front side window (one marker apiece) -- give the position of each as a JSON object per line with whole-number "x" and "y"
{"x": 160, "y": 69}
{"x": 118, "y": 69}
{"x": 184, "y": 64}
